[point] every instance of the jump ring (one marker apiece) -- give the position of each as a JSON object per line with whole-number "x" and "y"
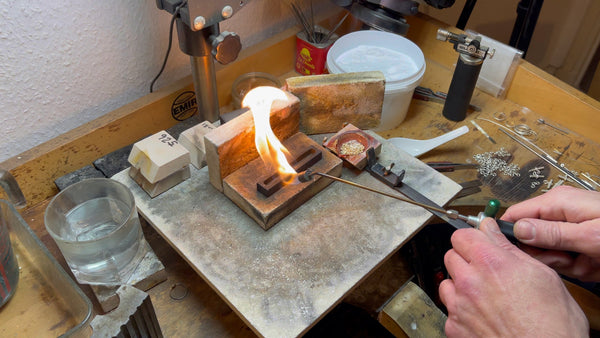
{"x": 499, "y": 116}
{"x": 522, "y": 129}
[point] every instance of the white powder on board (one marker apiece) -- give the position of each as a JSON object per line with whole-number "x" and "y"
{"x": 394, "y": 65}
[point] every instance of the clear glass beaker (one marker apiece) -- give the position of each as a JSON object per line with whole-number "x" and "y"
{"x": 9, "y": 267}
{"x": 95, "y": 224}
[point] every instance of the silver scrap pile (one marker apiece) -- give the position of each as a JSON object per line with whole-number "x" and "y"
{"x": 492, "y": 162}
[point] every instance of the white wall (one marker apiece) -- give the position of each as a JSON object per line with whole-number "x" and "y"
{"x": 63, "y": 64}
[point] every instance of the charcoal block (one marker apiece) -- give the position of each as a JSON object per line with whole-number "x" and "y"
{"x": 78, "y": 175}
{"x": 186, "y": 124}
{"x": 114, "y": 162}
{"x": 226, "y": 117}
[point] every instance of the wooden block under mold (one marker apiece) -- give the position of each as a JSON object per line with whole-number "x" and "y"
{"x": 329, "y": 101}
{"x": 240, "y": 186}
{"x": 231, "y": 146}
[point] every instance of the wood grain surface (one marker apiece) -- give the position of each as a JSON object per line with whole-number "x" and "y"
{"x": 424, "y": 120}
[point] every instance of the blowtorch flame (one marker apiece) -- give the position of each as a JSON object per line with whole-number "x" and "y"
{"x": 270, "y": 149}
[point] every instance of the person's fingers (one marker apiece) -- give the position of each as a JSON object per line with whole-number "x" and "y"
{"x": 585, "y": 269}
{"x": 447, "y": 292}
{"x": 490, "y": 228}
{"x": 559, "y": 235}
{"x": 562, "y": 203}
{"x": 582, "y": 267}
{"x": 455, "y": 263}
{"x": 476, "y": 245}
{"x": 467, "y": 241}
{"x": 555, "y": 259}
{"x": 531, "y": 250}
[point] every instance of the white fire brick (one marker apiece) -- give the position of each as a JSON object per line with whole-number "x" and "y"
{"x": 158, "y": 156}
{"x": 193, "y": 140}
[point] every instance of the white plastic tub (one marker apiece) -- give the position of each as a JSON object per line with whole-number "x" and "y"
{"x": 401, "y": 61}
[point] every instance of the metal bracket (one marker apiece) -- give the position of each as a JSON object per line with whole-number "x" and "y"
{"x": 382, "y": 173}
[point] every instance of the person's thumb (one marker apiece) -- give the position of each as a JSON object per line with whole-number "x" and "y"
{"x": 549, "y": 234}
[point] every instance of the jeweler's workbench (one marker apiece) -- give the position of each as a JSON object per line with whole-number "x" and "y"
{"x": 532, "y": 95}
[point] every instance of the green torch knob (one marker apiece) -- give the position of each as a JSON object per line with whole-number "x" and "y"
{"x": 492, "y": 208}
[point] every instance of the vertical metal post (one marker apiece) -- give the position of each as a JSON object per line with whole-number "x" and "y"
{"x": 528, "y": 12}
{"x": 197, "y": 45}
{"x": 465, "y": 14}
{"x": 205, "y": 86}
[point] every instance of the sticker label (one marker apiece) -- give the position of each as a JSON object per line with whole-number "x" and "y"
{"x": 184, "y": 106}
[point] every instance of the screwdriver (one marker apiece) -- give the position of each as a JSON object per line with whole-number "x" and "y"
{"x": 491, "y": 209}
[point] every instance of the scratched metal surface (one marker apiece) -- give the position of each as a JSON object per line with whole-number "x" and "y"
{"x": 281, "y": 281}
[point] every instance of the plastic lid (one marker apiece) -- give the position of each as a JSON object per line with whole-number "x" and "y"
{"x": 401, "y": 61}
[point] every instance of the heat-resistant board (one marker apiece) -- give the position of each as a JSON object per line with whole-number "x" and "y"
{"x": 281, "y": 281}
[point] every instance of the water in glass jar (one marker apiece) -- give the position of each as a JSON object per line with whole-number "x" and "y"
{"x": 101, "y": 249}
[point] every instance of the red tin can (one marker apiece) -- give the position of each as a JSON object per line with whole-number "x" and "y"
{"x": 311, "y": 58}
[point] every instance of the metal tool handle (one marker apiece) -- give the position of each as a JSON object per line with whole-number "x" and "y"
{"x": 491, "y": 210}
{"x": 507, "y": 229}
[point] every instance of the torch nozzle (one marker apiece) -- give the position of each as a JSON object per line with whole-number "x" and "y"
{"x": 444, "y": 35}
{"x": 305, "y": 176}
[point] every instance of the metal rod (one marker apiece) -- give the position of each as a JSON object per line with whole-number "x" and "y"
{"x": 428, "y": 207}
{"x": 310, "y": 34}
{"x": 483, "y": 131}
{"x": 465, "y": 14}
{"x": 590, "y": 178}
{"x": 528, "y": 12}
{"x": 553, "y": 163}
{"x": 312, "y": 20}
{"x": 332, "y": 31}
{"x": 542, "y": 121}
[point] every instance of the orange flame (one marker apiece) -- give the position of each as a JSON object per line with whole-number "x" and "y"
{"x": 270, "y": 149}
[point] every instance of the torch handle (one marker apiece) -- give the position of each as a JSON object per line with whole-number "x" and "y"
{"x": 462, "y": 87}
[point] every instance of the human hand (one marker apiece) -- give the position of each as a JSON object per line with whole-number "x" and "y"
{"x": 561, "y": 220}
{"x": 498, "y": 290}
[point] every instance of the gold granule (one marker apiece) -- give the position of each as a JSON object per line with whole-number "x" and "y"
{"x": 351, "y": 147}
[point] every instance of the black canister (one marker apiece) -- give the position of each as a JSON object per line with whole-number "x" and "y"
{"x": 462, "y": 87}
{"x": 470, "y": 60}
